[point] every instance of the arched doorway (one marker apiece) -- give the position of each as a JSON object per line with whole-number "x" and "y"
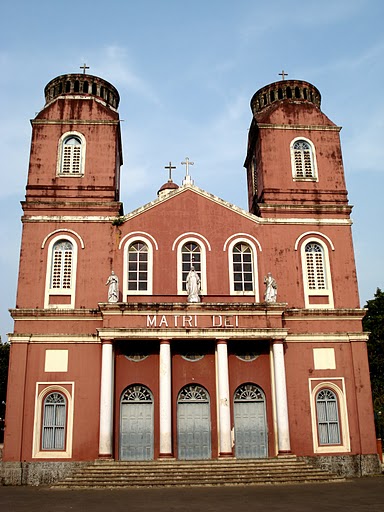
{"x": 251, "y": 433}
{"x": 193, "y": 423}
{"x": 136, "y": 423}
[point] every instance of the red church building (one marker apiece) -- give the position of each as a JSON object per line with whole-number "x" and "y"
{"x": 188, "y": 328}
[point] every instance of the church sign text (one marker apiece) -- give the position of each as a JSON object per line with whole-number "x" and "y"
{"x": 191, "y": 321}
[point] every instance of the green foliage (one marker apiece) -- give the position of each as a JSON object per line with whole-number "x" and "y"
{"x": 118, "y": 221}
{"x": 374, "y": 323}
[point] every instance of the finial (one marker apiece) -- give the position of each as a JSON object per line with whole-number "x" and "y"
{"x": 283, "y": 74}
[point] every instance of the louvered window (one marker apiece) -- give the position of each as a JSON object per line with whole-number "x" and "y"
{"x": 71, "y": 160}
{"x": 242, "y": 268}
{"x": 327, "y": 417}
{"x": 190, "y": 257}
{"x": 138, "y": 267}
{"x": 62, "y": 264}
{"x": 54, "y": 420}
{"x": 316, "y": 277}
{"x": 303, "y": 160}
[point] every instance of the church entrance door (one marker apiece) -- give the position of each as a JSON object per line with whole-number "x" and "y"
{"x": 136, "y": 424}
{"x": 251, "y": 436}
{"x": 193, "y": 423}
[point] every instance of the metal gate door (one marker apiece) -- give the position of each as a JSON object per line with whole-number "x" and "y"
{"x": 251, "y": 439}
{"x": 193, "y": 423}
{"x": 136, "y": 424}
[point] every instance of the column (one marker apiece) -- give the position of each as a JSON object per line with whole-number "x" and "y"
{"x": 225, "y": 441}
{"x": 284, "y": 444}
{"x": 165, "y": 399}
{"x": 106, "y": 401}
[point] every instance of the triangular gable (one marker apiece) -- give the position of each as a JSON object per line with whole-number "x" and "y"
{"x": 196, "y": 190}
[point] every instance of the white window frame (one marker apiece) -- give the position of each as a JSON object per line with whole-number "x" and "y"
{"x": 52, "y": 387}
{"x": 314, "y": 176}
{"x": 339, "y": 390}
{"x": 252, "y": 246}
{"x": 60, "y": 291}
{"x": 203, "y": 255}
{"x": 325, "y": 292}
{"x": 63, "y": 138}
{"x": 148, "y": 242}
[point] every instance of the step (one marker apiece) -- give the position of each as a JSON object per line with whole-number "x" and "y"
{"x": 120, "y": 474}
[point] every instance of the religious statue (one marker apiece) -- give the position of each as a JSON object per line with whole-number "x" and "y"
{"x": 270, "y": 294}
{"x": 193, "y": 286}
{"x": 113, "y": 290}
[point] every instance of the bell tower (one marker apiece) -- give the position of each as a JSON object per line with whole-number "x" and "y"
{"x": 294, "y": 162}
{"x": 76, "y": 150}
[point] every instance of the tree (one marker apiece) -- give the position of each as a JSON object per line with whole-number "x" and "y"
{"x": 373, "y": 322}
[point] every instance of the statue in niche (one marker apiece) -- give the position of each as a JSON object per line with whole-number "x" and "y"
{"x": 193, "y": 286}
{"x": 270, "y": 294}
{"x": 113, "y": 290}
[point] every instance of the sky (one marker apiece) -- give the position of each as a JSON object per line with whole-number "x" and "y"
{"x": 186, "y": 72}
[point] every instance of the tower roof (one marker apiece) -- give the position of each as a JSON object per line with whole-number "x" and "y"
{"x": 285, "y": 90}
{"x": 79, "y": 83}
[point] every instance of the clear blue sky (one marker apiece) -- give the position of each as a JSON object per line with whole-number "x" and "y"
{"x": 186, "y": 72}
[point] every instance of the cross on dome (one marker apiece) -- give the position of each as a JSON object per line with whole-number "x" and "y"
{"x": 170, "y": 167}
{"x": 84, "y": 67}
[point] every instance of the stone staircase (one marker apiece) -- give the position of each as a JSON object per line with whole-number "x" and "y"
{"x": 168, "y": 473}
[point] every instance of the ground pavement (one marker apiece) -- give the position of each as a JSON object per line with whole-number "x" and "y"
{"x": 357, "y": 495}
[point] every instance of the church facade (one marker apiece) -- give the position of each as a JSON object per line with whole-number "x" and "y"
{"x": 188, "y": 328}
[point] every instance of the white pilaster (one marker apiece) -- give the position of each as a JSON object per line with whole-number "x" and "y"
{"x": 106, "y": 401}
{"x": 225, "y": 441}
{"x": 165, "y": 399}
{"x": 281, "y": 398}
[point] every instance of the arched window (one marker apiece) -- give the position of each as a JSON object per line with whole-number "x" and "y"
{"x": 316, "y": 275}
{"x": 62, "y": 265}
{"x": 71, "y": 154}
{"x": 61, "y": 273}
{"x": 327, "y": 417}
{"x": 138, "y": 266}
{"x": 303, "y": 160}
{"x": 54, "y": 421}
{"x": 242, "y": 264}
{"x": 191, "y": 251}
{"x": 242, "y": 268}
{"x": 190, "y": 257}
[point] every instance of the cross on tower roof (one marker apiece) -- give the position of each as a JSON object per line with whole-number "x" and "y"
{"x": 170, "y": 167}
{"x": 84, "y": 67}
{"x": 283, "y": 74}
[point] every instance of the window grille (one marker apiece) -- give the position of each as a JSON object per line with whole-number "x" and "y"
{"x": 242, "y": 268}
{"x": 136, "y": 393}
{"x": 249, "y": 392}
{"x": 62, "y": 262}
{"x": 316, "y": 276}
{"x": 138, "y": 267}
{"x": 54, "y": 420}
{"x": 71, "y": 156}
{"x": 193, "y": 393}
{"x": 327, "y": 417}
{"x": 190, "y": 257}
{"x": 303, "y": 160}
